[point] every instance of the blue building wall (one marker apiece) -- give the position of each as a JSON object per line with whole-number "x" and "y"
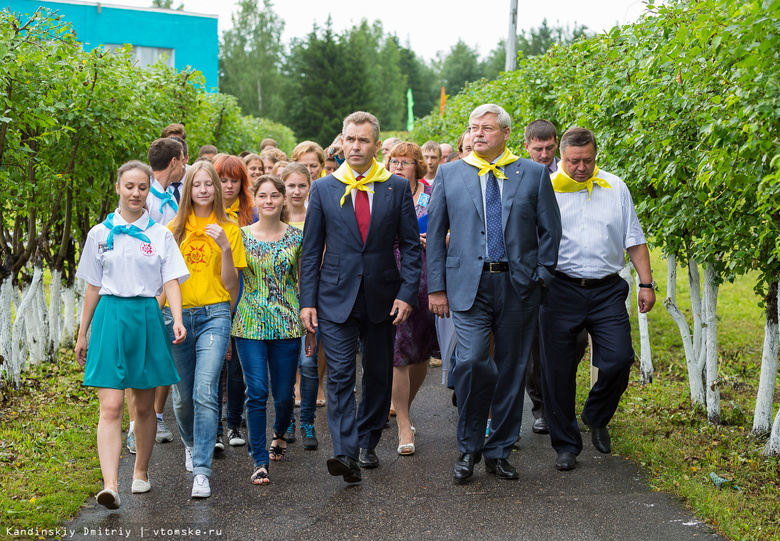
{"x": 194, "y": 37}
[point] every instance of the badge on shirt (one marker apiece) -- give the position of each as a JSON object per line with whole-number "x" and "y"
{"x": 103, "y": 247}
{"x": 147, "y": 249}
{"x": 423, "y": 199}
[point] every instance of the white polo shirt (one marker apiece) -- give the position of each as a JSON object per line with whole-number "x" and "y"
{"x": 160, "y": 215}
{"x": 133, "y": 268}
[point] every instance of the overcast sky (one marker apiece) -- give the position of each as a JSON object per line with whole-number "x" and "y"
{"x": 428, "y": 26}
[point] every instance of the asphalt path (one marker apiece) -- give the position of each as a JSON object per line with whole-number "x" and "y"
{"x": 411, "y": 497}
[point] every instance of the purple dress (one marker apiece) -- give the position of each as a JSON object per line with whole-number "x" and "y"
{"x": 415, "y": 339}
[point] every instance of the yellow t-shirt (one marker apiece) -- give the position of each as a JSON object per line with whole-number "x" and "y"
{"x": 297, "y": 225}
{"x": 204, "y": 261}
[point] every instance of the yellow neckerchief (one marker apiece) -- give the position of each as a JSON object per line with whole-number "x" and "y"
{"x": 195, "y": 231}
{"x": 563, "y": 183}
{"x": 483, "y": 166}
{"x": 233, "y": 209}
{"x": 377, "y": 173}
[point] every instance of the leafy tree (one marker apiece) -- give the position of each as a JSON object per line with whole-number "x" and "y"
{"x": 422, "y": 79}
{"x": 166, "y": 4}
{"x": 459, "y": 67}
{"x": 250, "y": 59}
{"x": 532, "y": 42}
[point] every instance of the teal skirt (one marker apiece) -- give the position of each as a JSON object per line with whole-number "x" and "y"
{"x": 129, "y": 347}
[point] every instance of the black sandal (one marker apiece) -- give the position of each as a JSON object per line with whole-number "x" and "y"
{"x": 260, "y": 476}
{"x": 277, "y": 452}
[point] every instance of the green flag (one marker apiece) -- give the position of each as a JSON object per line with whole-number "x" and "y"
{"x": 410, "y": 112}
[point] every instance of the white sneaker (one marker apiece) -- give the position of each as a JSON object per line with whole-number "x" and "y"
{"x": 200, "y": 487}
{"x": 188, "y": 458}
{"x": 163, "y": 435}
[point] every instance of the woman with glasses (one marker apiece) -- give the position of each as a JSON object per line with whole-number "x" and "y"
{"x": 415, "y": 340}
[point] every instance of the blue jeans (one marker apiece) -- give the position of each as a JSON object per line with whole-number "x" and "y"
{"x": 258, "y": 358}
{"x": 235, "y": 391}
{"x": 199, "y": 361}
{"x": 310, "y": 380}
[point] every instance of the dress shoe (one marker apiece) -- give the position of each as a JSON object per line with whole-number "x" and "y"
{"x": 346, "y": 467}
{"x": 464, "y": 467}
{"x": 566, "y": 461}
{"x": 368, "y": 459}
{"x": 501, "y": 468}
{"x": 601, "y": 439}
{"x": 540, "y": 426}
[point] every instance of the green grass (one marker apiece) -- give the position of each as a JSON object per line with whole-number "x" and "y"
{"x": 657, "y": 426}
{"x": 48, "y": 454}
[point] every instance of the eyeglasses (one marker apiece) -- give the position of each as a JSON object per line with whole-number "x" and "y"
{"x": 396, "y": 163}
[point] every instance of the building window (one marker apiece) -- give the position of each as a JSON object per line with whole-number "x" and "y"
{"x": 147, "y": 56}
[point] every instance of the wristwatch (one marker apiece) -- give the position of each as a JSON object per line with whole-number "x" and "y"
{"x": 652, "y": 285}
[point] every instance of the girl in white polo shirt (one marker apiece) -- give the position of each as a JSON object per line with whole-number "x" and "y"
{"x": 127, "y": 261}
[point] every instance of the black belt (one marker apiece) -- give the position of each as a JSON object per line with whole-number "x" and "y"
{"x": 496, "y": 266}
{"x": 585, "y": 282}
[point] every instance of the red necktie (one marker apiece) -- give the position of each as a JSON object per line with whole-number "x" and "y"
{"x": 362, "y": 211}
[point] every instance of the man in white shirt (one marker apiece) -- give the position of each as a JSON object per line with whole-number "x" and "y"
{"x": 599, "y": 225}
{"x": 166, "y": 156}
{"x": 541, "y": 143}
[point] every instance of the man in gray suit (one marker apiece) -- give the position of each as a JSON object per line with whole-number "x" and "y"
{"x": 504, "y": 229}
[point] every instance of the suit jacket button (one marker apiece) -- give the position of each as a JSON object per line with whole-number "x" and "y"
{"x": 482, "y": 232}
{"x": 360, "y": 276}
{"x": 480, "y": 258}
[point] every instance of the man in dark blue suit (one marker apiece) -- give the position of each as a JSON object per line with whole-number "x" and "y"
{"x": 504, "y": 227}
{"x": 356, "y": 291}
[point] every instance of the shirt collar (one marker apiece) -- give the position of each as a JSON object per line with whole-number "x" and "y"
{"x": 141, "y": 223}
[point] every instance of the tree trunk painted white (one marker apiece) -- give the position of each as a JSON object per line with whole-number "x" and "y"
{"x": 46, "y": 344}
{"x": 645, "y": 354}
{"x": 27, "y": 304}
{"x": 69, "y": 318}
{"x": 625, "y": 274}
{"x": 695, "y": 381}
{"x": 80, "y": 288}
{"x": 34, "y": 324}
{"x": 697, "y": 310}
{"x": 55, "y": 310}
{"x": 16, "y": 297}
{"x": 762, "y": 417}
{"x": 709, "y": 305}
{"x": 6, "y": 322}
{"x": 772, "y": 447}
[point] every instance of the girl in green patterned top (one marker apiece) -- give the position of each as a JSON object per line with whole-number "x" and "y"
{"x": 267, "y": 323}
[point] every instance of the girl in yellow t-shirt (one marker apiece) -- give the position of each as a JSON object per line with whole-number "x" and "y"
{"x": 212, "y": 248}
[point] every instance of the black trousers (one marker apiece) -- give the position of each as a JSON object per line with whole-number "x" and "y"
{"x": 601, "y": 311}
{"x": 533, "y": 373}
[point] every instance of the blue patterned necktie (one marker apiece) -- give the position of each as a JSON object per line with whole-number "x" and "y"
{"x": 495, "y": 230}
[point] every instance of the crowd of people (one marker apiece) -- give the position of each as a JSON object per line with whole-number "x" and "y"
{"x": 241, "y": 276}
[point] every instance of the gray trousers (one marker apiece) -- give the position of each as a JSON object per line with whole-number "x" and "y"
{"x": 485, "y": 384}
